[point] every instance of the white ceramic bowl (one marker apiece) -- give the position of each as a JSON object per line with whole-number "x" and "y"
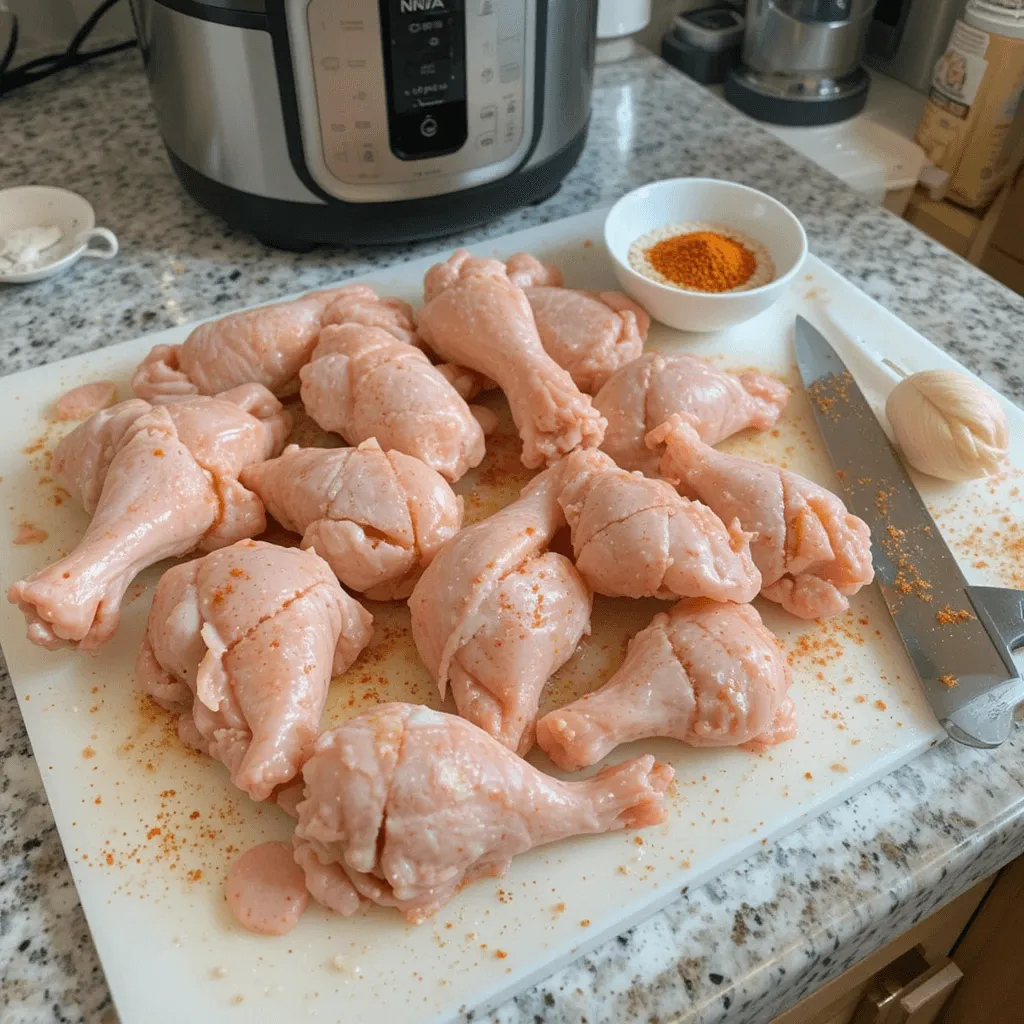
{"x": 704, "y": 200}
{"x": 41, "y": 206}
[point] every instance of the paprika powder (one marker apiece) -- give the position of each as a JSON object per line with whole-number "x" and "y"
{"x": 704, "y": 261}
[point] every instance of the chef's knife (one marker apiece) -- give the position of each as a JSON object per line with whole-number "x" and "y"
{"x": 958, "y": 637}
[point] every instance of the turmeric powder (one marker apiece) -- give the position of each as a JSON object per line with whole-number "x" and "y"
{"x": 703, "y": 261}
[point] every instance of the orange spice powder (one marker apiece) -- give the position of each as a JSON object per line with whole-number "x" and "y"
{"x": 703, "y": 261}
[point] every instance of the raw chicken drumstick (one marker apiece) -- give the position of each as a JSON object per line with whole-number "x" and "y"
{"x": 642, "y": 396}
{"x": 705, "y": 673}
{"x": 404, "y": 805}
{"x": 362, "y": 382}
{"x": 243, "y": 644}
{"x": 160, "y": 481}
{"x": 636, "y": 537}
{"x": 376, "y": 518}
{"x": 590, "y": 334}
{"x": 267, "y": 345}
{"x": 476, "y": 317}
{"x": 812, "y": 553}
{"x": 496, "y": 613}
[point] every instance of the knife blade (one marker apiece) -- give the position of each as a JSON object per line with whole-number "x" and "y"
{"x": 958, "y": 637}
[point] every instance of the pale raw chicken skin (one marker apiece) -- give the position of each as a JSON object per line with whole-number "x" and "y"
{"x": 496, "y": 613}
{"x": 589, "y": 334}
{"x": 644, "y": 394}
{"x": 242, "y": 644}
{"x": 266, "y": 889}
{"x": 637, "y": 537}
{"x": 476, "y": 317}
{"x": 705, "y": 673}
{"x": 267, "y": 345}
{"x": 812, "y": 553}
{"x": 160, "y": 481}
{"x": 362, "y": 383}
{"x": 405, "y": 805}
{"x": 81, "y": 402}
{"x": 377, "y": 518}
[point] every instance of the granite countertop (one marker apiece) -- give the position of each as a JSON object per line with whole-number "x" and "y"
{"x": 762, "y": 935}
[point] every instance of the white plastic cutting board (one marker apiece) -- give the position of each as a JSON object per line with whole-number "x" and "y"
{"x": 149, "y": 828}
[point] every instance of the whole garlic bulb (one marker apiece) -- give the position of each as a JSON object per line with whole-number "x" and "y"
{"x": 947, "y": 425}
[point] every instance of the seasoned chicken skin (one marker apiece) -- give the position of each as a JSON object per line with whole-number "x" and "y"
{"x": 812, "y": 553}
{"x": 405, "y": 805}
{"x": 476, "y": 317}
{"x": 636, "y": 537}
{"x": 266, "y": 345}
{"x": 496, "y": 613}
{"x": 377, "y": 518}
{"x": 642, "y": 396}
{"x": 362, "y": 382}
{"x": 243, "y": 644}
{"x": 705, "y": 673}
{"x": 160, "y": 481}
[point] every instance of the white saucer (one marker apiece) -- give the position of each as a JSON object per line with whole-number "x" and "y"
{"x": 41, "y": 206}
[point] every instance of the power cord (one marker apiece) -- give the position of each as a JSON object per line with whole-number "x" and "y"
{"x": 42, "y": 67}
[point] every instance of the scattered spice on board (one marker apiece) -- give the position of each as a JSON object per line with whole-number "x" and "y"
{"x": 949, "y": 681}
{"x": 947, "y": 615}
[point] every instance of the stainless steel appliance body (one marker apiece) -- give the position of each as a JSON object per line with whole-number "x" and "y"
{"x": 907, "y": 38}
{"x": 802, "y": 60}
{"x": 363, "y": 121}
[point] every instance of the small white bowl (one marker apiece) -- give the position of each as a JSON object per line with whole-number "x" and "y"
{"x": 41, "y": 206}
{"x": 713, "y": 202}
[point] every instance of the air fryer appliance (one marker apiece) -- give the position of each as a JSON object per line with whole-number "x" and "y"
{"x": 802, "y": 61}
{"x": 366, "y": 121}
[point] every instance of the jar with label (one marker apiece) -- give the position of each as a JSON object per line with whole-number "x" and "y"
{"x": 971, "y": 122}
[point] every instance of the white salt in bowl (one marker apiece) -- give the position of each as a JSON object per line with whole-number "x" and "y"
{"x": 709, "y": 203}
{"x": 30, "y": 206}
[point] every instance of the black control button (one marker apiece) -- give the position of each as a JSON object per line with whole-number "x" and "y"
{"x": 428, "y": 127}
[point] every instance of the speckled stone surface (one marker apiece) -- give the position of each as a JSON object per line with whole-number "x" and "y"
{"x": 740, "y": 949}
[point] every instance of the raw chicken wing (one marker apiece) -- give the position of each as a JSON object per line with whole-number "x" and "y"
{"x": 267, "y": 345}
{"x": 405, "y": 805}
{"x": 161, "y": 481}
{"x": 243, "y": 644}
{"x": 642, "y": 395}
{"x": 706, "y": 673}
{"x": 376, "y": 518}
{"x": 495, "y": 613}
{"x": 812, "y": 553}
{"x": 636, "y": 537}
{"x": 476, "y": 317}
{"x": 362, "y": 382}
{"x": 589, "y": 334}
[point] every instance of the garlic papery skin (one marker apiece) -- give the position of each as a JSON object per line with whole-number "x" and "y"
{"x": 948, "y": 425}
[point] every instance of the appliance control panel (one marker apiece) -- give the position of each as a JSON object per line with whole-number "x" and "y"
{"x": 407, "y": 98}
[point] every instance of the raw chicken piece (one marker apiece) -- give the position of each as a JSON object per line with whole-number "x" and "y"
{"x": 405, "y": 805}
{"x": 360, "y": 304}
{"x": 376, "y": 518}
{"x": 636, "y": 537}
{"x": 363, "y": 383}
{"x": 526, "y": 271}
{"x": 161, "y": 481}
{"x": 705, "y": 673}
{"x": 589, "y": 334}
{"x": 642, "y": 395}
{"x": 811, "y": 552}
{"x": 242, "y": 644}
{"x": 81, "y": 402}
{"x": 266, "y": 889}
{"x": 476, "y": 317}
{"x": 267, "y": 345}
{"x": 495, "y": 615}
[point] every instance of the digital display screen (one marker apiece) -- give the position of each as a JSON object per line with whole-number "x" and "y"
{"x": 426, "y": 76}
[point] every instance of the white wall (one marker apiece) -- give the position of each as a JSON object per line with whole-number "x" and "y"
{"x": 46, "y": 26}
